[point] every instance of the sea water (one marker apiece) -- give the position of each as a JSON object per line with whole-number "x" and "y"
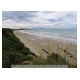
{"x": 68, "y": 34}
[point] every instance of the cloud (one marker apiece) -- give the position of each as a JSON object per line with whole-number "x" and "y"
{"x": 13, "y": 24}
{"x": 38, "y": 18}
{"x": 18, "y": 15}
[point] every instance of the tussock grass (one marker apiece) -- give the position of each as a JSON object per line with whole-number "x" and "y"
{"x": 54, "y": 50}
{"x": 39, "y": 61}
{"x": 26, "y": 63}
{"x": 48, "y": 45}
{"x": 54, "y": 58}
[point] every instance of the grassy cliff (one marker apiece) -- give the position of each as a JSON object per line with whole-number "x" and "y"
{"x": 13, "y": 51}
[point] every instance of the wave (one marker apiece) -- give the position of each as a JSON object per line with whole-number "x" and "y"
{"x": 53, "y": 36}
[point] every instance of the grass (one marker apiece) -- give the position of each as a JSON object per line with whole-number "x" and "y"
{"x": 49, "y": 47}
{"x": 53, "y": 59}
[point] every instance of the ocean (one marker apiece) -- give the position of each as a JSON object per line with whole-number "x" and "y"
{"x": 69, "y": 34}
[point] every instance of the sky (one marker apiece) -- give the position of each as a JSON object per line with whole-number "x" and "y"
{"x": 39, "y": 19}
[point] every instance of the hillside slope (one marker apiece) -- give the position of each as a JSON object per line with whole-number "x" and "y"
{"x": 13, "y": 51}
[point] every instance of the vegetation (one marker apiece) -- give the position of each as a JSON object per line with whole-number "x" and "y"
{"x": 53, "y": 59}
{"x": 15, "y": 53}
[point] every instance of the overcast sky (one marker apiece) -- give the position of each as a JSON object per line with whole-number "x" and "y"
{"x": 48, "y": 19}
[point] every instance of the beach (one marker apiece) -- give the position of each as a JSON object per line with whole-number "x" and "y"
{"x": 45, "y": 46}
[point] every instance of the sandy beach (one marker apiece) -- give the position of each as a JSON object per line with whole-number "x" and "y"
{"x": 45, "y": 46}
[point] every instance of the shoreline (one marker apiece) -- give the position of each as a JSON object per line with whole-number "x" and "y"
{"x": 36, "y": 44}
{"x": 56, "y": 38}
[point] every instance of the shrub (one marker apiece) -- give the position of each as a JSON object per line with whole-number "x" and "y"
{"x": 5, "y": 61}
{"x": 30, "y": 57}
{"x": 39, "y": 61}
{"x": 19, "y": 46}
{"x": 55, "y": 59}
